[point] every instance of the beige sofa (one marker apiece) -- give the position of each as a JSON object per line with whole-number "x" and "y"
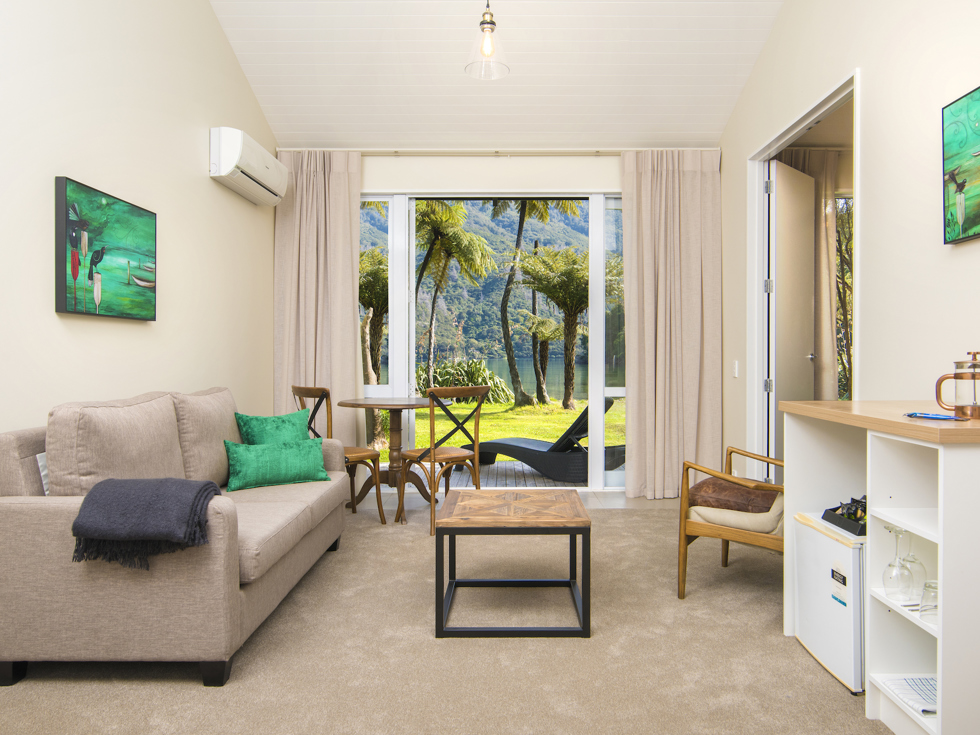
{"x": 199, "y": 604}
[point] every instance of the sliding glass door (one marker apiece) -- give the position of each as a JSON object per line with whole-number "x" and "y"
{"x": 447, "y": 293}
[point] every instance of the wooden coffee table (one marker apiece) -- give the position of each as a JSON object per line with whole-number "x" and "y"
{"x": 512, "y": 512}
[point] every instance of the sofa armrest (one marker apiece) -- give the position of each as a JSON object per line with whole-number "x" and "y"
{"x": 19, "y": 472}
{"x": 333, "y": 455}
{"x": 187, "y": 607}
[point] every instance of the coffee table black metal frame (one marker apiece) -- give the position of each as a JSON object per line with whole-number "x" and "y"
{"x": 580, "y": 596}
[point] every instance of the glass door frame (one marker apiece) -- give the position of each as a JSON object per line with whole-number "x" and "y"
{"x": 401, "y": 312}
{"x": 401, "y": 300}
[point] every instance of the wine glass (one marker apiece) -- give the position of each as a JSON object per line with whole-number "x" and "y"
{"x": 929, "y": 609}
{"x": 918, "y": 570}
{"x": 897, "y": 577}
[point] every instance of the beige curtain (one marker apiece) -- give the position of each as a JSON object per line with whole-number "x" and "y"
{"x": 316, "y": 280}
{"x": 822, "y": 166}
{"x": 672, "y": 263}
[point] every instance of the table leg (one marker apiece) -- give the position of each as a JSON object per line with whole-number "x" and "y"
{"x": 395, "y": 462}
{"x": 393, "y": 476}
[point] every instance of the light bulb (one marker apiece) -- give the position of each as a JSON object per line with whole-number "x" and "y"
{"x": 487, "y": 48}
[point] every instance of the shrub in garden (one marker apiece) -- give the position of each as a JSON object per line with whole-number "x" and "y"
{"x": 449, "y": 374}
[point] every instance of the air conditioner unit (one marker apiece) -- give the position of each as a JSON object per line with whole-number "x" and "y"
{"x": 246, "y": 168}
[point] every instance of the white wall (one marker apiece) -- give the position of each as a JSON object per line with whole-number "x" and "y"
{"x": 119, "y": 95}
{"x": 475, "y": 175}
{"x": 917, "y": 303}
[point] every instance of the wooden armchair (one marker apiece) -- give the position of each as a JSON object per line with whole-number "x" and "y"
{"x": 728, "y": 508}
{"x": 448, "y": 457}
{"x": 353, "y": 456}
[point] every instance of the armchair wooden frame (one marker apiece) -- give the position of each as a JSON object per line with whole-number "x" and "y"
{"x": 448, "y": 457}
{"x": 353, "y": 456}
{"x": 691, "y": 530}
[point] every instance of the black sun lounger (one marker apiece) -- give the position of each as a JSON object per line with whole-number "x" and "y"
{"x": 565, "y": 460}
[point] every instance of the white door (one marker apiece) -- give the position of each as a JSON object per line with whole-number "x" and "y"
{"x": 790, "y": 297}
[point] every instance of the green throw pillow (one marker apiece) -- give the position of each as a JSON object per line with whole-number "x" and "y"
{"x": 290, "y": 427}
{"x": 258, "y": 465}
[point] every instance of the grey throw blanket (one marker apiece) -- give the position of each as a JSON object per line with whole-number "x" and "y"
{"x": 127, "y": 521}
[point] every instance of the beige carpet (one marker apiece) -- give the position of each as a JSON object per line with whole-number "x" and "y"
{"x": 352, "y": 650}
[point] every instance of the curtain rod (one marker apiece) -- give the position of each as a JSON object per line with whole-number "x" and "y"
{"x": 491, "y": 154}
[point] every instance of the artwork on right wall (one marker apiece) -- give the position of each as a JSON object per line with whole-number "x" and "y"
{"x": 961, "y": 168}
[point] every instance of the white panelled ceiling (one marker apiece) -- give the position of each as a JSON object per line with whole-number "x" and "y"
{"x": 598, "y": 75}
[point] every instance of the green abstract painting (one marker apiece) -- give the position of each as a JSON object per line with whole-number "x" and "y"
{"x": 105, "y": 254}
{"x": 961, "y": 168}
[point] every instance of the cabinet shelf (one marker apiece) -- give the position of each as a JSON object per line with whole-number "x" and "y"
{"x": 929, "y": 724}
{"x": 878, "y": 594}
{"x": 920, "y": 476}
{"x": 923, "y": 522}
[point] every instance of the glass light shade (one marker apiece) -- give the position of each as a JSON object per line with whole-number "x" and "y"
{"x": 486, "y": 61}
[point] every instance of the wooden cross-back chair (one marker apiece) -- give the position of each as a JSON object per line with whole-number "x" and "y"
{"x": 353, "y": 456}
{"x": 447, "y": 457}
{"x": 728, "y": 508}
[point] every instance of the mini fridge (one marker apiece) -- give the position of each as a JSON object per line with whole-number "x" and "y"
{"x": 830, "y": 597}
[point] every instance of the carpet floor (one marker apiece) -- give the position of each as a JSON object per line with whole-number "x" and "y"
{"x": 352, "y": 649}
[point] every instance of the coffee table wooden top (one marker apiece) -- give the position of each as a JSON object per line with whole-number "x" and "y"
{"x": 512, "y": 509}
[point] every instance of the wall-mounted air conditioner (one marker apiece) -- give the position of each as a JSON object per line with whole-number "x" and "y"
{"x": 245, "y": 167}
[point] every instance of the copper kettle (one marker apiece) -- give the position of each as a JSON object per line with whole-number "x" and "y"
{"x": 965, "y": 378}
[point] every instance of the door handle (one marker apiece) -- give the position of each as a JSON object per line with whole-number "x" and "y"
{"x": 811, "y": 357}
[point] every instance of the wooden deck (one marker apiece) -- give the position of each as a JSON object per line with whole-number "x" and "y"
{"x": 507, "y": 473}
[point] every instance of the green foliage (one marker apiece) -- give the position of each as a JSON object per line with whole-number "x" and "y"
{"x": 845, "y": 295}
{"x": 373, "y": 286}
{"x": 447, "y": 374}
{"x": 439, "y": 232}
{"x": 539, "y": 209}
{"x": 545, "y": 328}
{"x": 561, "y": 275}
{"x": 478, "y": 307}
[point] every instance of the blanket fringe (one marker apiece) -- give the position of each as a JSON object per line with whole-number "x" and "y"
{"x": 131, "y": 554}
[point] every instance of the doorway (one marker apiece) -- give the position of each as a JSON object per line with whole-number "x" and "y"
{"x": 783, "y": 368}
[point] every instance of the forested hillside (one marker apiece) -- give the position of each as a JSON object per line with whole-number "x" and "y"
{"x": 467, "y": 322}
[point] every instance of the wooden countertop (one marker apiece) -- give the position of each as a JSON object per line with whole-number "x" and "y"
{"x": 887, "y": 417}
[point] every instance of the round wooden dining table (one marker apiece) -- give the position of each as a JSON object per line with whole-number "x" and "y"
{"x": 394, "y": 476}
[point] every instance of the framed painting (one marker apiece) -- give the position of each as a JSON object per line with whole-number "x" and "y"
{"x": 105, "y": 254}
{"x": 961, "y": 168}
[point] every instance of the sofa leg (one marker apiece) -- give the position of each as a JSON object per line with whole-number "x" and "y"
{"x": 11, "y": 672}
{"x": 335, "y": 545}
{"x": 215, "y": 673}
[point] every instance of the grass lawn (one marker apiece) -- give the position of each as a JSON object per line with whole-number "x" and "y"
{"x": 501, "y": 420}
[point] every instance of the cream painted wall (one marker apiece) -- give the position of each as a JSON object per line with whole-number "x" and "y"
{"x": 120, "y": 95}
{"x": 917, "y": 307}
{"x": 475, "y": 175}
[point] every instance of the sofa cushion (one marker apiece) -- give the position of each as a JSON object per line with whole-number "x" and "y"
{"x": 321, "y": 497}
{"x": 289, "y": 427}
{"x": 205, "y": 420}
{"x": 769, "y": 522}
{"x": 266, "y": 532}
{"x": 133, "y": 438}
{"x": 714, "y": 492}
{"x": 274, "y": 464}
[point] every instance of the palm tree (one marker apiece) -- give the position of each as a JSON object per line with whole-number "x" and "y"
{"x": 539, "y": 209}
{"x": 373, "y": 294}
{"x": 539, "y": 352}
{"x": 562, "y": 276}
{"x": 544, "y": 330}
{"x": 438, "y": 228}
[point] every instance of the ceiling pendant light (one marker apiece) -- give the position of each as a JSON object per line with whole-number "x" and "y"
{"x": 487, "y": 61}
